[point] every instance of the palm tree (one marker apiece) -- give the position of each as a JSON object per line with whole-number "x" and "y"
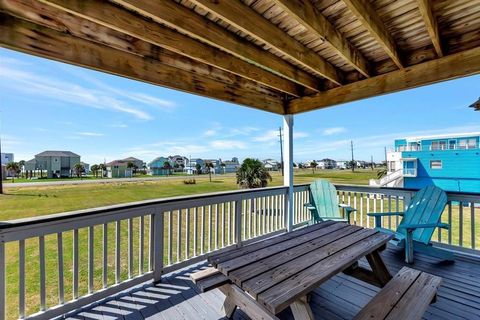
{"x": 208, "y": 168}
{"x": 21, "y": 164}
{"x": 382, "y": 173}
{"x": 131, "y": 165}
{"x": 102, "y": 167}
{"x": 252, "y": 174}
{"x": 198, "y": 168}
{"x": 13, "y": 167}
{"x": 94, "y": 168}
{"x": 79, "y": 169}
{"x": 313, "y": 165}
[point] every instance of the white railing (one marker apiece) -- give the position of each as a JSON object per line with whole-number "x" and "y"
{"x": 53, "y": 264}
{"x": 61, "y": 262}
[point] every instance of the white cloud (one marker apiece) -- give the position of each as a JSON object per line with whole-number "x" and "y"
{"x": 269, "y": 136}
{"x": 61, "y": 90}
{"x": 210, "y": 133}
{"x": 90, "y": 134}
{"x": 119, "y": 125}
{"x": 333, "y": 130}
{"x": 300, "y": 134}
{"x": 228, "y": 144}
{"x": 10, "y": 141}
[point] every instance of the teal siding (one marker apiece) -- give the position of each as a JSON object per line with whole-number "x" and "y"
{"x": 460, "y": 170}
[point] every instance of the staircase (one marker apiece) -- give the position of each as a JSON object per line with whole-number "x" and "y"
{"x": 392, "y": 179}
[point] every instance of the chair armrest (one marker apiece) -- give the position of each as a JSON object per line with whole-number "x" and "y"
{"x": 346, "y": 207}
{"x": 425, "y": 225}
{"x": 309, "y": 206}
{"x": 383, "y": 214}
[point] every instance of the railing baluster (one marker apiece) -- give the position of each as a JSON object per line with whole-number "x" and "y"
{"x": 216, "y": 226}
{"x": 210, "y": 228}
{"x": 75, "y": 263}
{"x": 472, "y": 224}
{"x": 255, "y": 217}
{"x": 264, "y": 218}
{"x": 397, "y": 209}
{"x": 195, "y": 230}
{"x": 179, "y": 235}
{"x": 151, "y": 240}
{"x": 460, "y": 228}
{"x": 141, "y": 241}
{"x": 187, "y": 233}
{"x": 249, "y": 209}
{"x": 368, "y": 208}
{"x": 202, "y": 231}
{"x": 90, "y": 259}
{"x": 389, "y": 210}
{"x": 158, "y": 232}
{"x": 361, "y": 209}
{"x": 61, "y": 287}
{"x": 170, "y": 240}
{"x": 118, "y": 231}
{"x": 41, "y": 254}
{"x": 223, "y": 224}
{"x": 21, "y": 279}
{"x": 238, "y": 222}
{"x": 450, "y": 222}
{"x": 229, "y": 223}
{"x": 130, "y": 248}
{"x": 105, "y": 255}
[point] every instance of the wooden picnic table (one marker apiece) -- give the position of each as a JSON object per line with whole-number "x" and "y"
{"x": 270, "y": 275}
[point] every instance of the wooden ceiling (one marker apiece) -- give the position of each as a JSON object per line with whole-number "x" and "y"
{"x": 281, "y": 56}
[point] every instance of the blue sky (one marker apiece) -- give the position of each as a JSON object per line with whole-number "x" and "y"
{"x": 46, "y": 105}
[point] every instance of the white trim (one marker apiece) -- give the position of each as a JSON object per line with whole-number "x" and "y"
{"x": 442, "y": 136}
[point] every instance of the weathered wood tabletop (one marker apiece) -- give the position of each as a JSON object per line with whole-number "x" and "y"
{"x": 279, "y": 272}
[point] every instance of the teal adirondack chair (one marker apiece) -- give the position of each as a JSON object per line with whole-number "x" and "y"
{"x": 419, "y": 221}
{"x": 324, "y": 204}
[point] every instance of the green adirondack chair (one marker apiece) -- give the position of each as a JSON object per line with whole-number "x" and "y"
{"x": 324, "y": 204}
{"x": 419, "y": 221}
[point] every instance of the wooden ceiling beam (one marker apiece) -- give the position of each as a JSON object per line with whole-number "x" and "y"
{"x": 25, "y": 36}
{"x": 431, "y": 24}
{"x": 449, "y": 67}
{"x": 369, "y": 18}
{"x": 188, "y": 22}
{"x": 311, "y": 19}
{"x": 124, "y": 21}
{"x": 250, "y": 22}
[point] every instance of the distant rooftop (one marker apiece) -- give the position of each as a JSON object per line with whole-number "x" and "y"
{"x": 57, "y": 154}
{"x": 442, "y": 136}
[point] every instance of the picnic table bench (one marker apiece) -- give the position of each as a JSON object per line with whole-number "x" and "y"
{"x": 279, "y": 272}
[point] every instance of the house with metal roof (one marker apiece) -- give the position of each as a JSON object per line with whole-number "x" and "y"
{"x": 56, "y": 164}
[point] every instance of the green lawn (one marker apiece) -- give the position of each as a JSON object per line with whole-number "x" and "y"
{"x": 34, "y": 201}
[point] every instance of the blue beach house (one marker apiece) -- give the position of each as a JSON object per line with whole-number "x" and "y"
{"x": 451, "y": 162}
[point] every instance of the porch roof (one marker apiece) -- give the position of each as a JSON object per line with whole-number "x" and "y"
{"x": 281, "y": 56}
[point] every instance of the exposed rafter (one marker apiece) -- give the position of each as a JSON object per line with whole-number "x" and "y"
{"x": 431, "y": 24}
{"x": 28, "y": 37}
{"x": 369, "y": 18}
{"x": 129, "y": 23}
{"x": 196, "y": 26}
{"x": 449, "y": 67}
{"x": 309, "y": 17}
{"x": 247, "y": 20}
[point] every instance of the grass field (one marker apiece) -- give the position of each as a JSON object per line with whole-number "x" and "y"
{"x": 36, "y": 200}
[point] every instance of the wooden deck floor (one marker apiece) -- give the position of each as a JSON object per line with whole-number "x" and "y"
{"x": 339, "y": 298}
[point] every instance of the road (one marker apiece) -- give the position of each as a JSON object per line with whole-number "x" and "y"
{"x": 104, "y": 181}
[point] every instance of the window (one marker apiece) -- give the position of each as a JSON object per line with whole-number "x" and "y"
{"x": 472, "y": 143}
{"x": 452, "y": 144}
{"x": 436, "y": 164}
{"x": 443, "y": 145}
{"x": 462, "y": 144}
{"x": 435, "y": 145}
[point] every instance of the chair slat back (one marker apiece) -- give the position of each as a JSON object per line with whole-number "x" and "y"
{"x": 323, "y": 196}
{"x": 425, "y": 207}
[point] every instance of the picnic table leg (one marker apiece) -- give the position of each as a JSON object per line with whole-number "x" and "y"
{"x": 301, "y": 309}
{"x": 236, "y": 297}
{"x": 378, "y": 267}
{"x": 229, "y": 305}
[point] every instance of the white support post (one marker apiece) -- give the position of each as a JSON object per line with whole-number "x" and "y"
{"x": 288, "y": 168}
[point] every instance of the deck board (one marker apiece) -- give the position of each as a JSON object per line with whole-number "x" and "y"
{"x": 341, "y": 297}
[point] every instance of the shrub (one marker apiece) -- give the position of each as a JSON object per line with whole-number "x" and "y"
{"x": 190, "y": 181}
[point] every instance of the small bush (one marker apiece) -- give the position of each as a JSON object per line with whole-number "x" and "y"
{"x": 190, "y": 181}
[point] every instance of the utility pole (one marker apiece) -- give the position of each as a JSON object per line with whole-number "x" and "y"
{"x": 280, "y": 135}
{"x": 386, "y": 163}
{"x": 353, "y": 161}
{"x": 371, "y": 161}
